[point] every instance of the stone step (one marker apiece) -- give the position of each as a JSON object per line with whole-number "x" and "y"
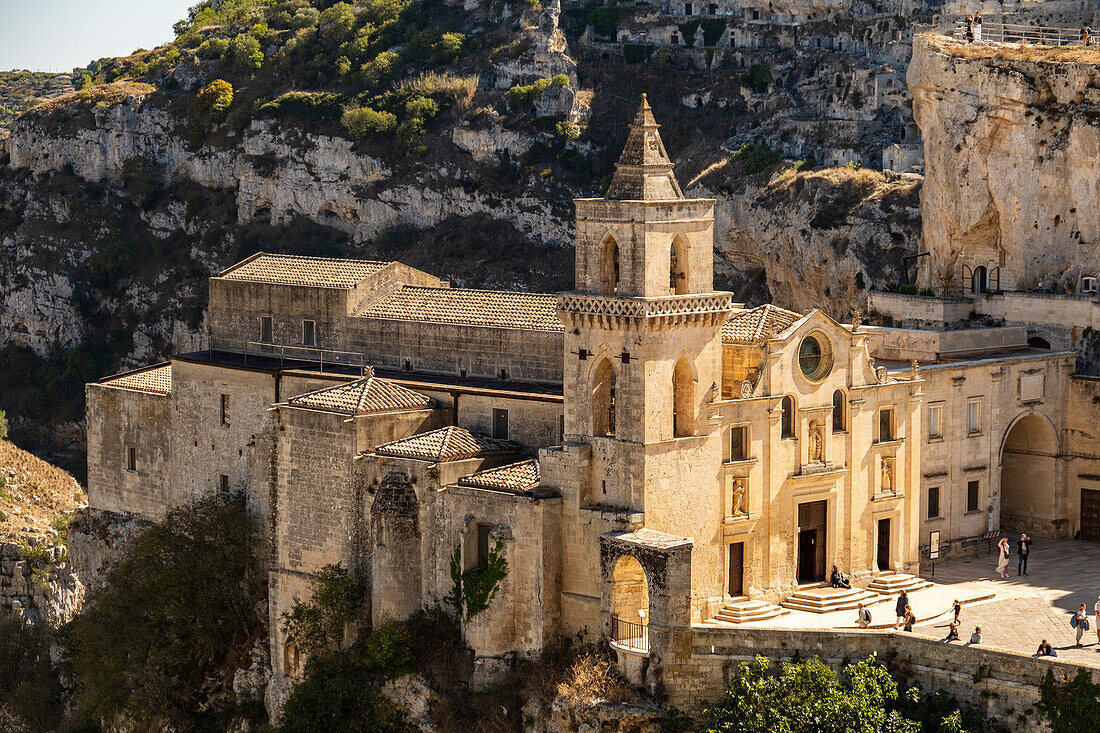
{"x": 742, "y": 611}
{"x": 824, "y": 599}
{"x": 891, "y": 584}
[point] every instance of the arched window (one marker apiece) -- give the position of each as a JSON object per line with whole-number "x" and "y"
{"x": 609, "y": 267}
{"x": 677, "y": 268}
{"x": 603, "y": 399}
{"x": 683, "y": 398}
{"x": 839, "y": 420}
{"x": 980, "y": 279}
{"x": 787, "y": 422}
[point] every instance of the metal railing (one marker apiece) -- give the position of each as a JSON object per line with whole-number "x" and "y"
{"x": 305, "y": 353}
{"x": 629, "y": 634}
{"x": 1036, "y": 35}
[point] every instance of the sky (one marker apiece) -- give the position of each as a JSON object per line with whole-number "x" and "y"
{"x": 59, "y": 35}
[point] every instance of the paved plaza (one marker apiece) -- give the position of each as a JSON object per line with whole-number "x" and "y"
{"x": 1015, "y": 614}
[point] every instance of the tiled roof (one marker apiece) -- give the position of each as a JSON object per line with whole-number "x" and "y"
{"x": 517, "y": 477}
{"x": 364, "y": 396}
{"x": 494, "y": 308}
{"x": 155, "y": 380}
{"x": 757, "y": 325}
{"x": 298, "y": 270}
{"x": 446, "y": 444}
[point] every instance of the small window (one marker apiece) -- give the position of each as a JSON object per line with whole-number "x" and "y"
{"x": 839, "y": 418}
{"x": 504, "y": 374}
{"x": 483, "y": 531}
{"x": 309, "y": 333}
{"x": 972, "y": 495}
{"x": 886, "y": 424}
{"x": 974, "y": 417}
{"x": 131, "y": 459}
{"x": 408, "y": 365}
{"x": 935, "y": 421}
{"x": 787, "y": 421}
{"x": 225, "y": 410}
{"x": 223, "y": 485}
{"x": 934, "y": 502}
{"x": 739, "y": 443}
{"x": 561, "y": 428}
{"x": 267, "y": 330}
{"x": 1088, "y": 285}
{"x": 500, "y": 424}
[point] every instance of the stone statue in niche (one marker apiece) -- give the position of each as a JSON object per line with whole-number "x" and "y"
{"x": 816, "y": 451}
{"x": 739, "y": 497}
{"x": 887, "y": 476}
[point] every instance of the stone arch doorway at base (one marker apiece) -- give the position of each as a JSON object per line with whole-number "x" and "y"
{"x": 1030, "y": 479}
{"x": 629, "y": 603}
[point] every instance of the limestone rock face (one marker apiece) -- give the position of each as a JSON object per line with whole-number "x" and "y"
{"x": 1010, "y": 152}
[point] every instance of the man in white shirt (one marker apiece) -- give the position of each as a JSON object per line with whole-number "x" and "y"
{"x": 976, "y": 637}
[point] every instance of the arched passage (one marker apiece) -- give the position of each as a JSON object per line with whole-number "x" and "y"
{"x": 1029, "y": 476}
{"x": 629, "y": 603}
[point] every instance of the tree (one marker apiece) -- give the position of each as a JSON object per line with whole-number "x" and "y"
{"x": 362, "y": 121}
{"x": 1070, "y": 706}
{"x": 245, "y": 51}
{"x": 211, "y": 103}
{"x": 336, "y": 599}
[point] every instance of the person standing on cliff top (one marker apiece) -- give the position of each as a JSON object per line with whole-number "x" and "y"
{"x": 978, "y": 27}
{"x": 970, "y": 29}
{"x": 1086, "y": 36}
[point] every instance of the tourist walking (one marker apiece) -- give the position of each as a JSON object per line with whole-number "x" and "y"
{"x": 1080, "y": 621}
{"x": 957, "y": 608}
{"x": 910, "y": 619}
{"x": 1002, "y": 562}
{"x": 1086, "y": 36}
{"x": 970, "y": 29}
{"x": 978, "y": 27}
{"x": 976, "y": 637}
{"x": 1023, "y": 549}
{"x": 1046, "y": 650}
{"x": 864, "y": 617}
{"x": 899, "y": 609}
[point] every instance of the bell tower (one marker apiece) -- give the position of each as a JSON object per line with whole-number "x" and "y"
{"x": 643, "y": 337}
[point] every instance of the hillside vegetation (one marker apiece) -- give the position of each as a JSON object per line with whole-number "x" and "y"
{"x": 22, "y": 90}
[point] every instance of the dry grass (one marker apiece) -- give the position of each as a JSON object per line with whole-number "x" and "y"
{"x": 459, "y": 88}
{"x": 1020, "y": 52}
{"x": 593, "y": 679}
{"x": 31, "y": 489}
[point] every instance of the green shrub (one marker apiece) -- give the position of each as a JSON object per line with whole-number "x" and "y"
{"x": 61, "y": 524}
{"x": 688, "y": 31}
{"x": 178, "y": 612}
{"x": 1070, "y": 705}
{"x": 213, "y": 48}
{"x": 335, "y": 600}
{"x": 3, "y": 425}
{"x": 473, "y": 590}
{"x": 755, "y": 158}
{"x": 337, "y": 23}
{"x": 757, "y": 78}
{"x": 245, "y": 52}
{"x": 305, "y": 105}
{"x": 144, "y": 179}
{"x": 713, "y": 29}
{"x": 30, "y": 688}
{"x": 379, "y": 69}
{"x": 421, "y": 109}
{"x": 637, "y": 53}
{"x": 211, "y": 103}
{"x": 604, "y": 21}
{"x": 305, "y": 17}
{"x": 362, "y": 121}
{"x": 523, "y": 98}
{"x": 448, "y": 47}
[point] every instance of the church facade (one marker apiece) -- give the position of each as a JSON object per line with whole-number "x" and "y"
{"x": 648, "y": 455}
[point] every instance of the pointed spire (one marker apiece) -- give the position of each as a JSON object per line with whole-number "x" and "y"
{"x": 644, "y": 171}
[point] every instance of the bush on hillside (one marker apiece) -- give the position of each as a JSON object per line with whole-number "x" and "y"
{"x": 245, "y": 51}
{"x": 211, "y": 103}
{"x": 177, "y": 615}
{"x": 3, "y": 425}
{"x": 1070, "y": 705}
{"x": 30, "y": 690}
{"x": 213, "y": 48}
{"x": 335, "y": 600}
{"x": 362, "y": 121}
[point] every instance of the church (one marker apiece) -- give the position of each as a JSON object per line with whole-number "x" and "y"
{"x": 649, "y": 456}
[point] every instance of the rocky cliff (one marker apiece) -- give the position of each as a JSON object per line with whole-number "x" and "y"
{"x": 1011, "y": 140}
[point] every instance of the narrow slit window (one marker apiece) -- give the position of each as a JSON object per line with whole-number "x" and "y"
{"x": 935, "y": 421}
{"x": 309, "y": 333}
{"x": 131, "y": 459}
{"x": 739, "y": 450}
{"x": 225, "y": 410}
{"x": 267, "y": 330}
{"x": 972, "y": 495}
{"x": 886, "y": 424}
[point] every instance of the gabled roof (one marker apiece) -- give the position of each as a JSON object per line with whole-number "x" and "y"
{"x": 757, "y": 325}
{"x": 451, "y": 443}
{"x": 516, "y": 477}
{"x": 492, "y": 308}
{"x": 644, "y": 171}
{"x": 365, "y": 396}
{"x": 154, "y": 380}
{"x": 322, "y": 272}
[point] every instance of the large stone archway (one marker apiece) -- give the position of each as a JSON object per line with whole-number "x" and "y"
{"x": 1030, "y": 479}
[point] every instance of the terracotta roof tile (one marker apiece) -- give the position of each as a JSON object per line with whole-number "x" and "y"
{"x": 364, "y": 396}
{"x": 155, "y": 380}
{"x": 516, "y": 477}
{"x": 757, "y": 325}
{"x": 321, "y": 272}
{"x": 446, "y": 444}
{"x": 491, "y": 308}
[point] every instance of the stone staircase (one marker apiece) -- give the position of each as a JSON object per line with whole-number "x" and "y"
{"x": 891, "y": 584}
{"x": 741, "y": 610}
{"x": 824, "y": 599}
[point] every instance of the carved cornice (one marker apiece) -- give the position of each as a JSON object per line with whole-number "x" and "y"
{"x": 709, "y": 309}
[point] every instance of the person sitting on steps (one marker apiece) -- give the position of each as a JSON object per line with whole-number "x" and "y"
{"x": 837, "y": 579}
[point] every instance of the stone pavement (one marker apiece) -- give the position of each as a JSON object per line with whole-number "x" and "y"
{"x": 1014, "y": 614}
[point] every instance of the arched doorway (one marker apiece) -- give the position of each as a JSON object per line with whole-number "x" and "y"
{"x": 980, "y": 280}
{"x": 629, "y": 604}
{"x": 1029, "y": 476}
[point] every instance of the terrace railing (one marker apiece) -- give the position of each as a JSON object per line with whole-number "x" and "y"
{"x": 321, "y": 357}
{"x": 1036, "y": 35}
{"x": 629, "y": 634}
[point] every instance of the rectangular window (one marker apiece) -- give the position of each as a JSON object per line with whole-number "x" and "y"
{"x": 933, "y": 502}
{"x": 223, "y": 485}
{"x": 974, "y": 417}
{"x": 500, "y": 424}
{"x": 935, "y": 421}
{"x": 131, "y": 459}
{"x": 483, "y": 544}
{"x": 561, "y": 428}
{"x": 309, "y": 333}
{"x": 739, "y": 448}
{"x": 886, "y": 424}
{"x": 972, "y": 496}
{"x": 225, "y": 410}
{"x": 267, "y": 330}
